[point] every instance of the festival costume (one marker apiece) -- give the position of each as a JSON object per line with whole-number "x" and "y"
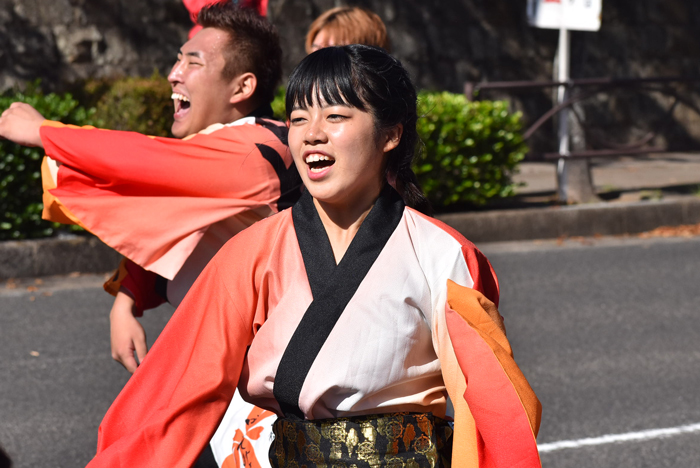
{"x": 168, "y": 205}
{"x": 153, "y": 199}
{"x": 416, "y": 322}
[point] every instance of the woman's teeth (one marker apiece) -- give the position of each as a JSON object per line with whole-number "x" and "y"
{"x": 319, "y": 162}
{"x": 316, "y": 158}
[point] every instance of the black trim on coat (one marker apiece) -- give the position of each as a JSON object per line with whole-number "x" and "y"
{"x": 332, "y": 286}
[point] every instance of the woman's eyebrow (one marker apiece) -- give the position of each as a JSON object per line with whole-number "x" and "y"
{"x": 340, "y": 104}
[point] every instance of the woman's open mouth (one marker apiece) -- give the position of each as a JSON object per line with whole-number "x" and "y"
{"x": 318, "y": 162}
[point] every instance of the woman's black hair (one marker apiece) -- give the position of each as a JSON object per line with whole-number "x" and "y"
{"x": 369, "y": 79}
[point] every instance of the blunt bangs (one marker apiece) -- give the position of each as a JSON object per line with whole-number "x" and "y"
{"x": 325, "y": 76}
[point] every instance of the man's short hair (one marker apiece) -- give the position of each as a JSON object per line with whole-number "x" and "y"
{"x": 254, "y": 46}
{"x": 350, "y": 25}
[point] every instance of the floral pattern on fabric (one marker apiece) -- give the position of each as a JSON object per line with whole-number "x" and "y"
{"x": 397, "y": 440}
{"x": 242, "y": 447}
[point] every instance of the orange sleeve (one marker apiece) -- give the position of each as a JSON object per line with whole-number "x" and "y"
{"x": 487, "y": 387}
{"x": 171, "y": 406}
{"x": 152, "y": 198}
{"x": 129, "y": 163}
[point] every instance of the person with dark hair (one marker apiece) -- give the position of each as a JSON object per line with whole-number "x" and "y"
{"x": 194, "y": 6}
{"x": 169, "y": 204}
{"x": 347, "y": 25}
{"x": 369, "y": 328}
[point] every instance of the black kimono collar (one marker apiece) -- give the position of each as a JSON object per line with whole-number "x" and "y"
{"x": 316, "y": 249}
{"x": 332, "y": 285}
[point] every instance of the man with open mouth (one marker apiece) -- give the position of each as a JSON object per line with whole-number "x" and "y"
{"x": 169, "y": 204}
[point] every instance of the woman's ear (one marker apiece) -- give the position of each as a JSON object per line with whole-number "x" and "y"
{"x": 393, "y": 138}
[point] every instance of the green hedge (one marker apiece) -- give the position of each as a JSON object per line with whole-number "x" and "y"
{"x": 20, "y": 167}
{"x": 471, "y": 149}
{"x": 278, "y": 105}
{"x": 135, "y": 104}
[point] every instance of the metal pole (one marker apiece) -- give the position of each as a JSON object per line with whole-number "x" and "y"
{"x": 563, "y": 76}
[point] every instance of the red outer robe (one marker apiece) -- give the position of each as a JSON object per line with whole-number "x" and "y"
{"x": 170, "y": 407}
{"x": 152, "y": 198}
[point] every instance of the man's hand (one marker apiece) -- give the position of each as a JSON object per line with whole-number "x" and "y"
{"x": 126, "y": 333}
{"x": 20, "y": 123}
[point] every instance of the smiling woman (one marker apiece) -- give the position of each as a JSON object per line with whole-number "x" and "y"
{"x": 355, "y": 318}
{"x": 344, "y": 147}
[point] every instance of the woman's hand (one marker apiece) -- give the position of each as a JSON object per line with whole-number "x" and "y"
{"x": 127, "y": 336}
{"x": 20, "y": 123}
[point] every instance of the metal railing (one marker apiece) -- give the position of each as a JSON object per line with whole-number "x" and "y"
{"x": 581, "y": 89}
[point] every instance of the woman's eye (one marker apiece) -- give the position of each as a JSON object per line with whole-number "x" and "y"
{"x": 296, "y": 120}
{"x": 336, "y": 117}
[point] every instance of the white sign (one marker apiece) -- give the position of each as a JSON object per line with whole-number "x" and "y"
{"x": 577, "y": 15}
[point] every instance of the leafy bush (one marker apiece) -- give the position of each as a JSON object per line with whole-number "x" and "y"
{"x": 20, "y": 167}
{"x": 471, "y": 149}
{"x": 135, "y": 104}
{"x": 278, "y": 106}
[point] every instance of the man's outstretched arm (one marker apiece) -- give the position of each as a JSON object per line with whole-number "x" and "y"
{"x": 20, "y": 123}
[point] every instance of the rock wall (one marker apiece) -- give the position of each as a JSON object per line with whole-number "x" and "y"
{"x": 443, "y": 44}
{"x": 446, "y": 43}
{"x": 60, "y": 41}
{"x": 460, "y": 40}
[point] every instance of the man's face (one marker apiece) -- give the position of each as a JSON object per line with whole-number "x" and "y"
{"x": 200, "y": 92}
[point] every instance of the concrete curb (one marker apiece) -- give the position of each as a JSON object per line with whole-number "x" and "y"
{"x": 47, "y": 257}
{"x": 605, "y": 219}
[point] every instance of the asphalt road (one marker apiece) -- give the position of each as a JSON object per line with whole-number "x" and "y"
{"x": 605, "y": 330}
{"x": 608, "y": 334}
{"x": 57, "y": 377}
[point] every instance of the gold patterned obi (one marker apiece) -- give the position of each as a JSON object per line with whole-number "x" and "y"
{"x": 396, "y": 440}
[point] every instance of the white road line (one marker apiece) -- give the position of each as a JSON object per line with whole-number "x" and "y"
{"x": 613, "y": 438}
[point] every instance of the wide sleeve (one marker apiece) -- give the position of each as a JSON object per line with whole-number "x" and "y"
{"x": 173, "y": 403}
{"x": 152, "y": 198}
{"x": 140, "y": 284}
{"x": 497, "y": 414}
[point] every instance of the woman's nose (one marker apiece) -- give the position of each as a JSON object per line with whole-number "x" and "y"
{"x": 315, "y": 132}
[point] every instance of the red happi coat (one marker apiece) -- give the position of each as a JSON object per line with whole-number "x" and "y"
{"x": 152, "y": 199}
{"x": 421, "y": 328}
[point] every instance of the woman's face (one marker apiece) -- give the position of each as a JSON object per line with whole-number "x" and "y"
{"x": 338, "y": 153}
